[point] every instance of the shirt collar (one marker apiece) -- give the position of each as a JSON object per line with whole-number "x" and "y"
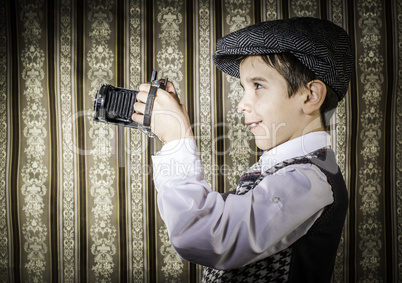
{"x": 299, "y": 146}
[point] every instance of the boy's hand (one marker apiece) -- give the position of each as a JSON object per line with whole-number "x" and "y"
{"x": 169, "y": 119}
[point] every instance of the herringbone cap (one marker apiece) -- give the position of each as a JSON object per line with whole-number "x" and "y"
{"x": 320, "y": 45}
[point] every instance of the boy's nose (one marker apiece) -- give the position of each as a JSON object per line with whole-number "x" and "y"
{"x": 243, "y": 105}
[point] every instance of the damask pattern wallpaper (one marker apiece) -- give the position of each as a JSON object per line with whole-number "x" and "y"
{"x": 77, "y": 201}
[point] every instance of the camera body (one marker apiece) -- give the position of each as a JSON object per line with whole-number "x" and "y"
{"x": 115, "y": 105}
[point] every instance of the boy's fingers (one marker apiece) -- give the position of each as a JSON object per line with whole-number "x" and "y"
{"x": 139, "y": 118}
{"x": 145, "y": 87}
{"x": 139, "y": 107}
{"x": 142, "y": 96}
{"x": 172, "y": 90}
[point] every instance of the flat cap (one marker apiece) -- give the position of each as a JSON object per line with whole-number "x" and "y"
{"x": 322, "y": 46}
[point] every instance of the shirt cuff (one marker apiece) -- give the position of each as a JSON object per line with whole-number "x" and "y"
{"x": 175, "y": 146}
{"x": 177, "y": 160}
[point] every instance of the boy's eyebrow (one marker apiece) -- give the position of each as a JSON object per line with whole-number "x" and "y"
{"x": 253, "y": 79}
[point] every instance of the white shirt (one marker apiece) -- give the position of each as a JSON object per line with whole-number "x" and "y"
{"x": 208, "y": 230}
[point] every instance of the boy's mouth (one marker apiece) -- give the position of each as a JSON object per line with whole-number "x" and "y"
{"x": 253, "y": 125}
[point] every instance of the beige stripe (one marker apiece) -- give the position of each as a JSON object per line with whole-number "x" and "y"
{"x": 67, "y": 144}
{"x": 33, "y": 162}
{"x": 136, "y": 142}
{"x": 170, "y": 58}
{"x": 102, "y": 145}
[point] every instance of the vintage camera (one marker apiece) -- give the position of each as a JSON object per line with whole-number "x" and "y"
{"x": 114, "y": 105}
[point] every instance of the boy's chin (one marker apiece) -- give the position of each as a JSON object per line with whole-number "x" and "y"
{"x": 264, "y": 143}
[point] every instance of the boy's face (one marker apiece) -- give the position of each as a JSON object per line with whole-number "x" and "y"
{"x": 273, "y": 117}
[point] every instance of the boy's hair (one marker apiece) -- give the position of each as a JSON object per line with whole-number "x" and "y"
{"x": 297, "y": 76}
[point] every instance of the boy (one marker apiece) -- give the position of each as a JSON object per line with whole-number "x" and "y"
{"x": 284, "y": 222}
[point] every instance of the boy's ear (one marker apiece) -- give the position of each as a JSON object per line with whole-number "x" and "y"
{"x": 316, "y": 92}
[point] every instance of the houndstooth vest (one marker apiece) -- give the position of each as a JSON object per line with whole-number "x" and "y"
{"x": 312, "y": 257}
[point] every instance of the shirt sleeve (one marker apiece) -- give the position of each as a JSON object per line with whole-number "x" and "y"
{"x": 207, "y": 229}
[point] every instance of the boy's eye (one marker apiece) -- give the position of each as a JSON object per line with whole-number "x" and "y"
{"x": 257, "y": 86}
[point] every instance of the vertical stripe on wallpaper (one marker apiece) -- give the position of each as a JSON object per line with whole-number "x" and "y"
{"x": 271, "y": 9}
{"x": 370, "y": 193}
{"x": 4, "y": 144}
{"x": 204, "y": 90}
{"x": 204, "y": 100}
{"x": 304, "y": 8}
{"x": 390, "y": 95}
{"x": 205, "y": 119}
{"x": 239, "y": 150}
{"x": 397, "y": 144}
{"x": 34, "y": 171}
{"x": 102, "y": 181}
{"x": 136, "y": 142}
{"x": 169, "y": 44}
{"x": 340, "y": 133}
{"x": 67, "y": 144}
{"x": 14, "y": 114}
{"x": 52, "y": 146}
{"x": 79, "y": 122}
{"x": 121, "y": 188}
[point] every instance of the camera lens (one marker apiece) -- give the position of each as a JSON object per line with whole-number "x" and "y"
{"x": 119, "y": 104}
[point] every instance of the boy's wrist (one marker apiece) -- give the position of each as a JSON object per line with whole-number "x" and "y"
{"x": 187, "y": 135}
